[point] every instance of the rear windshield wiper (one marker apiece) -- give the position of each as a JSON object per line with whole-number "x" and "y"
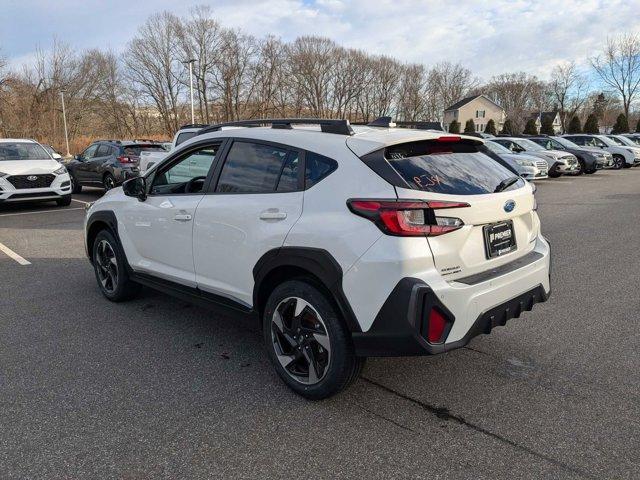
{"x": 506, "y": 183}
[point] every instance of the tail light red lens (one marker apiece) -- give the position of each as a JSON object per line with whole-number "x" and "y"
{"x": 408, "y": 218}
{"x": 124, "y": 159}
{"x": 437, "y": 326}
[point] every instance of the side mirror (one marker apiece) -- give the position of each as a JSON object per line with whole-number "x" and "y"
{"x": 77, "y": 157}
{"x": 136, "y": 187}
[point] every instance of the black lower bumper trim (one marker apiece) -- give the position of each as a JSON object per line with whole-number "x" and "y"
{"x": 396, "y": 331}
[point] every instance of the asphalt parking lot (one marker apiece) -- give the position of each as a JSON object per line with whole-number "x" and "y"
{"x": 157, "y": 388}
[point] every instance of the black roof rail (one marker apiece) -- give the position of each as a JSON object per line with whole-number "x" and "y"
{"x": 422, "y": 125}
{"x": 340, "y": 127}
{"x": 194, "y": 125}
{"x": 386, "y": 122}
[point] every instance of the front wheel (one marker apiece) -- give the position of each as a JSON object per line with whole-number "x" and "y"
{"x": 110, "y": 267}
{"x": 308, "y": 343}
{"x": 75, "y": 186}
{"x": 554, "y": 172}
{"x": 65, "y": 201}
{"x": 618, "y": 162}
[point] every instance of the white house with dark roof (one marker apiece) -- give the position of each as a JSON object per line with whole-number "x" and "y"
{"x": 478, "y": 108}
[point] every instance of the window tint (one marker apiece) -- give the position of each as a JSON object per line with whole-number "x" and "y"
{"x": 456, "y": 168}
{"x": 317, "y": 167}
{"x": 288, "y": 181}
{"x": 252, "y": 168}
{"x": 103, "y": 150}
{"x": 173, "y": 179}
{"x": 183, "y": 137}
{"x": 90, "y": 152}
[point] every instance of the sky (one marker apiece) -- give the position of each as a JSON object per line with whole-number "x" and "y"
{"x": 489, "y": 37}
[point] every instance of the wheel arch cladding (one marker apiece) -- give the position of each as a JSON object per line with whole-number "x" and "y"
{"x": 104, "y": 219}
{"x": 280, "y": 264}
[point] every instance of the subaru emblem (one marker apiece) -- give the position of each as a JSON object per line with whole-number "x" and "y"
{"x": 509, "y": 206}
{"x": 32, "y": 178}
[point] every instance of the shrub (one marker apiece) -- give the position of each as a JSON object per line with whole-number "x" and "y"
{"x": 574, "y": 125}
{"x": 547, "y": 126}
{"x": 491, "y": 127}
{"x": 470, "y": 126}
{"x": 454, "y": 127}
{"x": 530, "y": 128}
{"x": 507, "y": 128}
{"x": 621, "y": 125}
{"x": 591, "y": 125}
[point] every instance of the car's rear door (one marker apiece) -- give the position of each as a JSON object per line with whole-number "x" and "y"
{"x": 498, "y": 227}
{"x": 255, "y": 201}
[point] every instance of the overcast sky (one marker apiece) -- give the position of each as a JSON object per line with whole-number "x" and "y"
{"x": 489, "y": 37}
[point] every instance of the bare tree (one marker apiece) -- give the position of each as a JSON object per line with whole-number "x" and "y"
{"x": 449, "y": 83}
{"x": 619, "y": 67}
{"x": 569, "y": 89}
{"x": 152, "y": 64}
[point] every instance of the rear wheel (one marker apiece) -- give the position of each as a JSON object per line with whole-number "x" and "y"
{"x": 109, "y": 182}
{"x": 307, "y": 342}
{"x": 581, "y": 168}
{"x": 618, "y": 162}
{"x": 110, "y": 267}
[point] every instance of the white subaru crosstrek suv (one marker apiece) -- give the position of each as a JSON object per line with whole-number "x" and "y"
{"x": 29, "y": 173}
{"x": 345, "y": 243}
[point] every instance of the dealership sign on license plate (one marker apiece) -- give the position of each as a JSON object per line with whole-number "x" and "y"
{"x": 499, "y": 239}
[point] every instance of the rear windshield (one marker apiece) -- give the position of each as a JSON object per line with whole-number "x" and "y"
{"x": 22, "y": 151}
{"x": 456, "y": 168}
{"x": 134, "y": 150}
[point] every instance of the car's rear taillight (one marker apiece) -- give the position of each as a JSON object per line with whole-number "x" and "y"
{"x": 125, "y": 159}
{"x": 413, "y": 218}
{"x": 437, "y": 324}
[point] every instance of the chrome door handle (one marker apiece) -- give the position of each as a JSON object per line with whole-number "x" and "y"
{"x": 182, "y": 217}
{"x": 273, "y": 215}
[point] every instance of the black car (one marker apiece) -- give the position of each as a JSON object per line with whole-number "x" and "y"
{"x": 107, "y": 163}
{"x": 588, "y": 158}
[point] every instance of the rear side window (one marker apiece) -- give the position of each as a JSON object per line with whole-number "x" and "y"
{"x": 183, "y": 137}
{"x": 316, "y": 168}
{"x": 455, "y": 168}
{"x": 257, "y": 168}
{"x": 103, "y": 150}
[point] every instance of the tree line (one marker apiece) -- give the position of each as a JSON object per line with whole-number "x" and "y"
{"x": 143, "y": 92}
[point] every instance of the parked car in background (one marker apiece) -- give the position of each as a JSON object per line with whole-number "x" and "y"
{"x": 52, "y": 151}
{"x": 28, "y": 173}
{"x": 634, "y": 137}
{"x": 560, "y": 162}
{"x": 527, "y": 166}
{"x": 108, "y": 163}
{"x": 590, "y": 159}
{"x": 347, "y": 242}
{"x": 623, "y": 156}
{"x": 624, "y": 141}
{"x": 149, "y": 158}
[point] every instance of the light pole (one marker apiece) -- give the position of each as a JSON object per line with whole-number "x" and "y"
{"x": 64, "y": 121}
{"x": 191, "y": 62}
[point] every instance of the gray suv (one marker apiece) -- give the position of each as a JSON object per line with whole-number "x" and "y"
{"x": 107, "y": 163}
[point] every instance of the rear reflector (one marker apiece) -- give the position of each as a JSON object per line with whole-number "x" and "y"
{"x": 408, "y": 218}
{"x": 437, "y": 326}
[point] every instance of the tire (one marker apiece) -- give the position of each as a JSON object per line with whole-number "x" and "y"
{"x": 110, "y": 267}
{"x": 582, "y": 168}
{"x": 553, "y": 172}
{"x": 65, "y": 201}
{"x": 618, "y": 162}
{"x": 75, "y": 186}
{"x": 627, "y": 165}
{"x": 109, "y": 182}
{"x": 319, "y": 337}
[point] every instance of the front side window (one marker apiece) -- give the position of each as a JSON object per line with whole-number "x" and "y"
{"x": 456, "y": 168}
{"x": 188, "y": 175}
{"x": 22, "y": 151}
{"x": 90, "y": 152}
{"x": 256, "y": 168}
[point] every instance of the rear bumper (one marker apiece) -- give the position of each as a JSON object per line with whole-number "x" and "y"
{"x": 472, "y": 306}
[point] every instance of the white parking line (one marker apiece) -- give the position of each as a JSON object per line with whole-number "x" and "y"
{"x": 14, "y": 255}
{"x": 81, "y": 201}
{"x": 40, "y": 211}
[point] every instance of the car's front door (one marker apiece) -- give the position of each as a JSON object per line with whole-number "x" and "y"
{"x": 95, "y": 169}
{"x": 256, "y": 200}
{"x": 159, "y": 230}
{"x": 81, "y": 169}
